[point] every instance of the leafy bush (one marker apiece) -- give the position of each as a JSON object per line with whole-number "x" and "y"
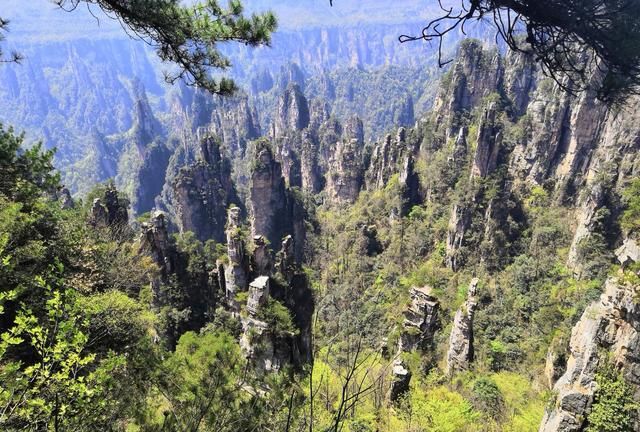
{"x": 278, "y": 317}
{"x": 487, "y": 397}
{"x": 614, "y": 408}
{"x": 631, "y": 214}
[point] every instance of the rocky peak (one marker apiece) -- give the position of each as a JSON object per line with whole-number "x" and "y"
{"x": 261, "y": 260}
{"x": 155, "y": 241}
{"x": 420, "y": 320}
{"x": 258, "y": 294}
{"x": 210, "y": 151}
{"x": 146, "y": 126}
{"x": 64, "y": 197}
{"x": 519, "y": 80}
{"x": 237, "y": 268}
{"x": 386, "y": 159}
{"x": 234, "y": 121}
{"x": 460, "y": 354}
{"x": 409, "y": 185}
{"x": 202, "y": 191}
{"x": 319, "y": 111}
{"x": 345, "y": 176}
{"x": 291, "y": 74}
{"x": 286, "y": 260}
{"x": 354, "y": 129}
{"x": 458, "y": 222}
{"x": 311, "y": 173}
{"x": 268, "y": 202}
{"x": 475, "y": 74}
{"x": 401, "y": 378}
{"x": 488, "y": 143}
{"x": 110, "y": 210}
{"x": 292, "y": 113}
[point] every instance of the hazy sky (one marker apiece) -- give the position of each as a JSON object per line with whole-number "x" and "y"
{"x": 40, "y": 19}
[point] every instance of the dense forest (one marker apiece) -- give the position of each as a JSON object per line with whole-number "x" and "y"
{"x": 356, "y": 240}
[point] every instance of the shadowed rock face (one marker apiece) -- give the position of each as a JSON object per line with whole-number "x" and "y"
{"x": 420, "y": 320}
{"x": 268, "y": 198}
{"x": 292, "y": 112}
{"x": 400, "y": 381}
{"x": 155, "y": 241}
{"x": 345, "y": 175}
{"x": 110, "y": 210}
{"x": 475, "y": 74}
{"x": 460, "y": 354}
{"x": 488, "y": 144}
{"x": 202, "y": 193}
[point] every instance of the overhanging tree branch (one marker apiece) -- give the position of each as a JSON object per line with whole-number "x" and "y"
{"x": 587, "y": 44}
{"x": 185, "y": 36}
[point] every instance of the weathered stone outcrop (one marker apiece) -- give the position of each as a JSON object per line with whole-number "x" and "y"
{"x": 65, "y": 199}
{"x": 110, "y": 210}
{"x": 475, "y": 74}
{"x": 235, "y": 122}
{"x": 292, "y": 112}
{"x": 488, "y": 144}
{"x": 268, "y": 201}
{"x": 457, "y": 160}
{"x": 628, "y": 252}
{"x": 155, "y": 242}
{"x": 258, "y": 294}
{"x": 319, "y": 112}
{"x": 354, "y": 130}
{"x": 420, "y": 320}
{"x": 409, "y": 185}
{"x": 586, "y": 220}
{"x": 262, "y": 261}
{"x": 519, "y": 79}
{"x": 458, "y": 222}
{"x": 202, "y": 193}
{"x": 286, "y": 259}
{"x": 291, "y": 74}
{"x": 346, "y": 165}
{"x": 401, "y": 378}
{"x": 311, "y": 174}
{"x": 267, "y": 350}
{"x": 460, "y": 354}
{"x": 610, "y": 325}
{"x": 385, "y": 161}
{"x": 345, "y": 175}
{"x": 144, "y": 155}
{"x": 236, "y": 270}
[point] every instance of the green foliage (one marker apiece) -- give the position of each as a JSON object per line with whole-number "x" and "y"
{"x": 278, "y": 317}
{"x": 62, "y": 387}
{"x": 614, "y": 408}
{"x": 70, "y": 358}
{"x": 631, "y": 215}
{"x": 24, "y": 173}
{"x": 487, "y": 397}
{"x": 200, "y": 384}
